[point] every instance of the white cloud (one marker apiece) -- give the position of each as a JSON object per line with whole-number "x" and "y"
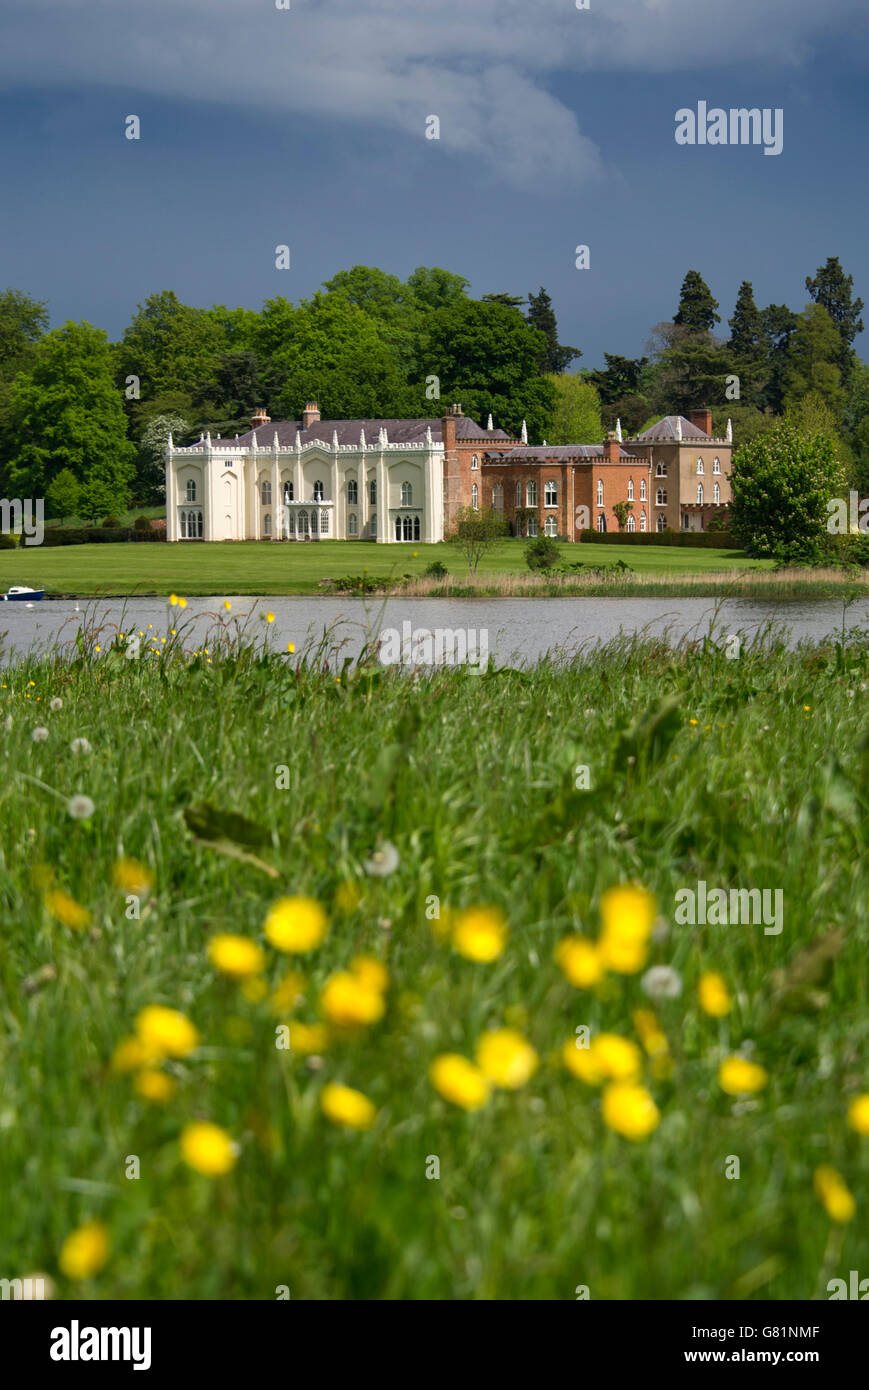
{"x": 482, "y": 65}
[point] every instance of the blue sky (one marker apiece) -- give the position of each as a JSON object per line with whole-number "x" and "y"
{"x": 306, "y": 127}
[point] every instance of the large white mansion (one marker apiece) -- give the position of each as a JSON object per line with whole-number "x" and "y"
{"x": 331, "y": 478}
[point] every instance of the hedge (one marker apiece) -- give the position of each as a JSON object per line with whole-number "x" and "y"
{"x": 697, "y": 540}
{"x": 98, "y": 535}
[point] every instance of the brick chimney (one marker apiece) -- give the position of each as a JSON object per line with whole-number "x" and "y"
{"x": 452, "y": 470}
{"x": 310, "y": 415}
{"x": 612, "y": 448}
{"x": 258, "y": 418}
{"x": 702, "y": 418}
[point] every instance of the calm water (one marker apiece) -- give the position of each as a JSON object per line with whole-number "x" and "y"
{"x": 519, "y": 630}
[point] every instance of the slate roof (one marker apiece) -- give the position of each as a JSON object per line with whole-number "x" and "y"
{"x": 565, "y": 453}
{"x": 666, "y": 429}
{"x": 398, "y": 432}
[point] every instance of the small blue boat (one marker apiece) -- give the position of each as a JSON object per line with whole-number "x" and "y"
{"x": 19, "y": 593}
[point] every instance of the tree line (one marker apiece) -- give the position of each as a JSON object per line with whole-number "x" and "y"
{"x": 84, "y": 421}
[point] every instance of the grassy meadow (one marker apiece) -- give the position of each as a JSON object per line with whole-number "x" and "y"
{"x": 433, "y": 829}
{"x": 264, "y": 567}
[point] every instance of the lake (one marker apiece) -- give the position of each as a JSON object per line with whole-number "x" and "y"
{"x": 517, "y": 630}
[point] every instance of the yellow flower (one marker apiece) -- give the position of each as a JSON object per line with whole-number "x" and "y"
{"x": 627, "y": 915}
{"x": 296, "y": 924}
{"x": 714, "y": 995}
{"x": 480, "y": 933}
{"x": 154, "y": 1085}
{"x": 833, "y": 1192}
{"x": 348, "y": 1001}
{"x": 129, "y": 1055}
{"x": 629, "y": 1110}
{"x": 270, "y": 617}
{"x": 67, "y": 910}
{"x": 459, "y": 1081}
{"x": 739, "y": 1077}
{"x": 208, "y": 1149}
{"x": 165, "y": 1032}
{"x": 344, "y": 1106}
{"x": 579, "y": 960}
{"x": 236, "y": 955}
{"x": 650, "y": 1034}
{"x": 182, "y": 603}
{"x": 371, "y": 972}
{"x": 227, "y": 605}
{"x": 608, "y": 1057}
{"x": 287, "y": 993}
{"x": 291, "y": 646}
{"x": 306, "y": 1038}
{"x": 132, "y": 877}
{"x": 858, "y": 1113}
{"x": 85, "y": 1251}
{"x": 506, "y": 1058}
{"x": 173, "y": 599}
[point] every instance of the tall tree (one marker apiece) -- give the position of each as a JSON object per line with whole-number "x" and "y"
{"x": 748, "y": 347}
{"x": 779, "y": 325}
{"x": 336, "y": 357}
{"x": 781, "y": 484}
{"x": 67, "y": 412}
{"x": 171, "y": 347}
{"x": 697, "y": 309}
{"x": 436, "y": 288}
{"x": 813, "y": 361}
{"x": 692, "y": 369}
{"x": 620, "y": 377}
{"x": 834, "y": 291}
{"x": 577, "y": 411}
{"x": 541, "y": 316}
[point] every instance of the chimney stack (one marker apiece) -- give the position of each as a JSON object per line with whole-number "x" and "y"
{"x": 612, "y": 449}
{"x": 702, "y": 418}
{"x": 258, "y": 418}
{"x": 310, "y": 415}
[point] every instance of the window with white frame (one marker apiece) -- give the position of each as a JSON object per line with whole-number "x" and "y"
{"x": 630, "y": 489}
{"x": 191, "y": 490}
{"x": 267, "y": 524}
{"x": 266, "y": 493}
{"x": 661, "y": 497}
{"x": 642, "y": 489}
{"x": 407, "y": 494}
{"x": 372, "y": 492}
{"x": 699, "y": 492}
{"x": 318, "y": 491}
{"x": 372, "y": 525}
{"x": 550, "y": 495}
{"x": 660, "y": 470}
{"x": 532, "y": 526}
{"x": 601, "y": 522}
{"x": 661, "y": 523}
{"x": 642, "y": 521}
{"x": 716, "y": 493}
{"x": 324, "y": 523}
{"x": 475, "y": 462}
{"x": 632, "y": 525}
{"x": 551, "y": 526}
{"x": 699, "y": 466}
{"x": 353, "y": 492}
{"x": 531, "y": 494}
{"x": 352, "y": 525}
{"x": 475, "y": 496}
{"x": 289, "y": 492}
{"x": 498, "y": 496}
{"x": 600, "y": 493}
{"x": 716, "y": 465}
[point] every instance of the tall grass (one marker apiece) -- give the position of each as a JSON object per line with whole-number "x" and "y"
{"x": 746, "y": 772}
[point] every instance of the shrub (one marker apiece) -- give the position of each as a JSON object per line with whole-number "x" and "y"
{"x": 7, "y": 541}
{"x": 436, "y": 570}
{"x": 542, "y": 554}
{"x": 142, "y": 523}
{"x": 111, "y": 523}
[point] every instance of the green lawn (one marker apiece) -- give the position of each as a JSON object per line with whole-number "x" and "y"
{"x": 263, "y": 567}
{"x": 740, "y": 773}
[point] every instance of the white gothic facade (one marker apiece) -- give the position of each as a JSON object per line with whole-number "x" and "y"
{"x": 302, "y": 482}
